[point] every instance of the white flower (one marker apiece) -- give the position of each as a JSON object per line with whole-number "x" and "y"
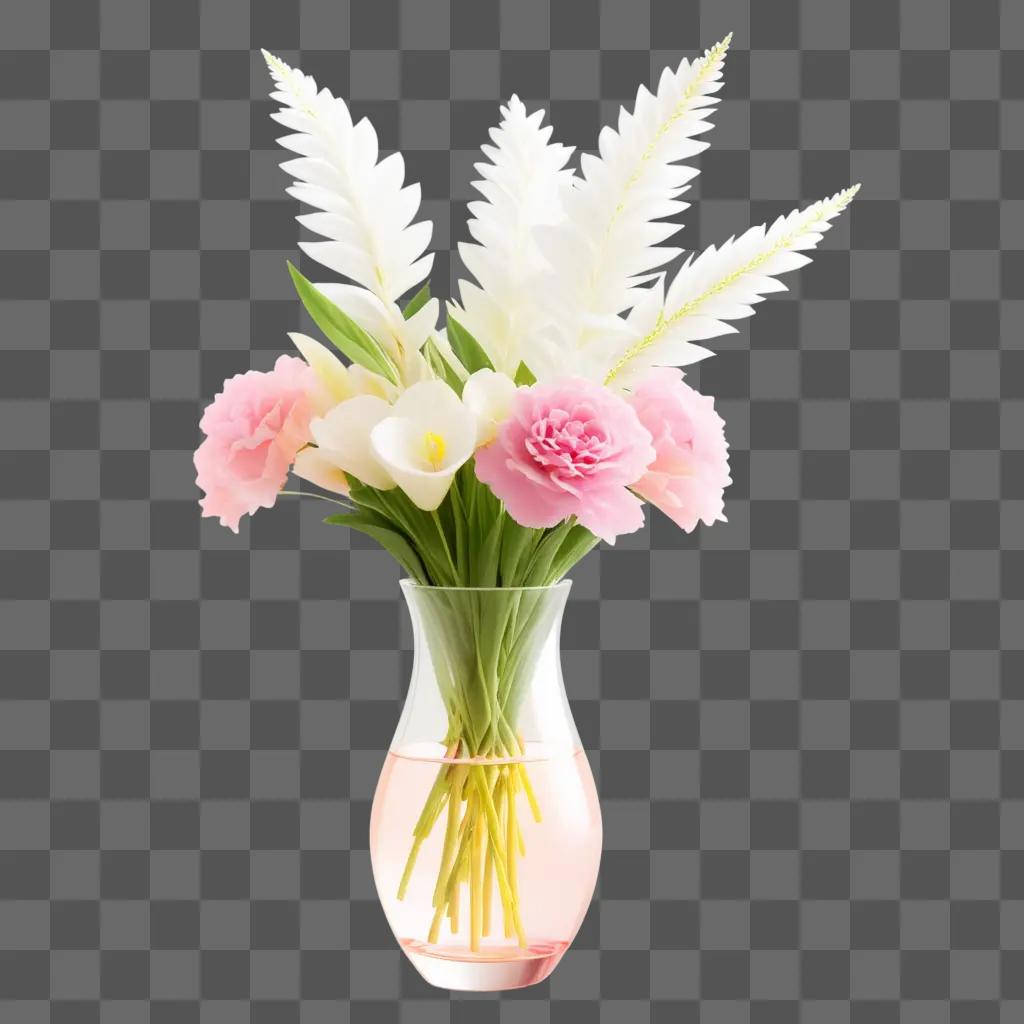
{"x": 343, "y": 437}
{"x": 336, "y": 382}
{"x": 488, "y": 395}
{"x": 311, "y": 464}
{"x": 426, "y": 438}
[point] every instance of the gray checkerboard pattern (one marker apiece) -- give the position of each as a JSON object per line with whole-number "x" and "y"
{"x": 807, "y": 723}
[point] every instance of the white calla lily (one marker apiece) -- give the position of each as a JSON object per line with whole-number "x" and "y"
{"x": 488, "y": 395}
{"x": 343, "y": 437}
{"x": 423, "y": 442}
{"x": 312, "y": 465}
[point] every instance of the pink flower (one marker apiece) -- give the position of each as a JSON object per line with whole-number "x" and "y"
{"x": 569, "y": 448}
{"x": 691, "y": 470}
{"x": 254, "y": 428}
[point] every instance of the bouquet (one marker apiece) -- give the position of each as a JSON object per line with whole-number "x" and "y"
{"x": 497, "y": 450}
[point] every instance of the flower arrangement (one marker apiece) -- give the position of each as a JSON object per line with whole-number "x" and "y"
{"x": 496, "y": 451}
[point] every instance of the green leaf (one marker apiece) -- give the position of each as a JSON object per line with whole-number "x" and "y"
{"x": 342, "y": 330}
{"x": 577, "y": 543}
{"x": 394, "y": 542}
{"x": 401, "y": 515}
{"x": 524, "y": 376}
{"x": 486, "y": 556}
{"x": 365, "y": 495}
{"x": 417, "y": 302}
{"x": 539, "y": 567}
{"x": 437, "y": 362}
{"x": 515, "y": 541}
{"x": 466, "y": 347}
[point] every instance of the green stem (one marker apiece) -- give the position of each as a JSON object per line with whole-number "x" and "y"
{"x": 323, "y": 497}
{"x": 461, "y": 519}
{"x": 444, "y": 544}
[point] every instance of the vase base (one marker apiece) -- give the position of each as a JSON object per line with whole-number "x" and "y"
{"x": 490, "y": 970}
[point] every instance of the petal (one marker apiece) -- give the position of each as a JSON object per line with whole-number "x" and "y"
{"x": 531, "y": 504}
{"x": 489, "y": 396}
{"x": 343, "y": 436}
{"x": 427, "y": 399}
{"x": 366, "y": 309}
{"x": 611, "y": 512}
{"x": 332, "y": 379}
{"x": 433, "y": 408}
{"x": 420, "y": 325}
{"x": 366, "y": 382}
{"x": 398, "y": 444}
{"x": 337, "y": 382}
{"x": 312, "y": 465}
{"x": 224, "y": 507}
{"x": 401, "y": 338}
{"x": 444, "y": 346}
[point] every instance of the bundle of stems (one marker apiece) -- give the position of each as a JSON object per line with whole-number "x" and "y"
{"x": 483, "y": 647}
{"x": 484, "y": 622}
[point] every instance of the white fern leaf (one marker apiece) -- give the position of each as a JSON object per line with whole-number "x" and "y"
{"x": 611, "y": 238}
{"x": 365, "y": 211}
{"x": 723, "y": 283}
{"x": 522, "y": 184}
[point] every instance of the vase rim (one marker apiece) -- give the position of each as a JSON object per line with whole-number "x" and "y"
{"x": 409, "y": 584}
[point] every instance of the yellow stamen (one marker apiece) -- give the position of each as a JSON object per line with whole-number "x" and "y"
{"x": 434, "y": 447}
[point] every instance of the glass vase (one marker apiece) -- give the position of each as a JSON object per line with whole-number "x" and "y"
{"x": 485, "y": 833}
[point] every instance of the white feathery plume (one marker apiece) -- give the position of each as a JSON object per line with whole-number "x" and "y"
{"x": 560, "y": 263}
{"x": 522, "y": 185}
{"x": 365, "y": 212}
{"x": 611, "y": 238}
{"x": 722, "y": 283}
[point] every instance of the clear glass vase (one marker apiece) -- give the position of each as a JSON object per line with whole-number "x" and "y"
{"x": 485, "y": 834}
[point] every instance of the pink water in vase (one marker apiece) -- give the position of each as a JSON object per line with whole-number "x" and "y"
{"x": 485, "y": 834}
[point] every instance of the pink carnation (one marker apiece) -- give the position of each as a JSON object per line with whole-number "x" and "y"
{"x": 691, "y": 470}
{"x": 254, "y": 428}
{"x": 570, "y": 448}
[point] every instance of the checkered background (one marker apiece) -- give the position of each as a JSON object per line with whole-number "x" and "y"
{"x": 807, "y": 724}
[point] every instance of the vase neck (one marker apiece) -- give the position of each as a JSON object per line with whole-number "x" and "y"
{"x": 487, "y": 677}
